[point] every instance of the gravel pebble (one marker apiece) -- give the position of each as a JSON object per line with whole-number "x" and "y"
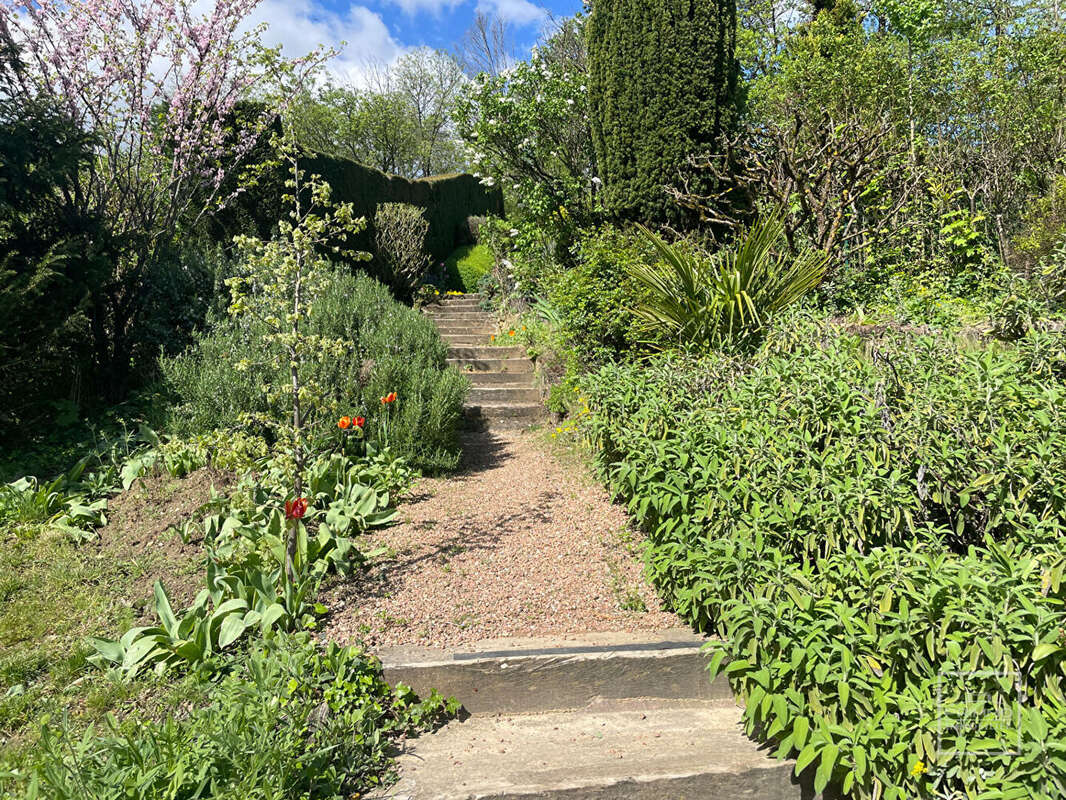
{"x": 515, "y": 544}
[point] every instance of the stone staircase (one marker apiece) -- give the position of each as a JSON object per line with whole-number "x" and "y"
{"x": 605, "y": 715}
{"x": 503, "y": 391}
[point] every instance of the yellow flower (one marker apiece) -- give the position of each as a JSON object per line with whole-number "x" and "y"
{"x": 918, "y": 769}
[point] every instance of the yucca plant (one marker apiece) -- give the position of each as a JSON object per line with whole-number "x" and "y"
{"x": 697, "y": 300}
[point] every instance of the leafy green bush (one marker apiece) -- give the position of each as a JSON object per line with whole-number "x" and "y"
{"x": 1045, "y": 228}
{"x": 396, "y": 350}
{"x": 821, "y": 441}
{"x": 590, "y": 301}
{"x": 465, "y": 267}
{"x": 400, "y": 232}
{"x": 873, "y": 528}
{"x": 293, "y": 721}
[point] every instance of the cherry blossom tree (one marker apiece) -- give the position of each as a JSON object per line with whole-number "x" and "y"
{"x": 161, "y": 84}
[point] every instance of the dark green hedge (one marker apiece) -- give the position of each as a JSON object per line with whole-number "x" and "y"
{"x": 447, "y": 199}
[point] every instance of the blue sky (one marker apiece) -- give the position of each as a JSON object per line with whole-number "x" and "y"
{"x": 441, "y": 24}
{"x": 381, "y": 30}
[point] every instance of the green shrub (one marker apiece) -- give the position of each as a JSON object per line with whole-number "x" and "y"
{"x": 1045, "y": 229}
{"x": 873, "y": 528}
{"x": 820, "y": 441}
{"x": 396, "y": 349}
{"x": 662, "y": 86}
{"x": 293, "y": 721}
{"x": 590, "y": 301}
{"x": 400, "y": 232}
{"x": 466, "y": 266}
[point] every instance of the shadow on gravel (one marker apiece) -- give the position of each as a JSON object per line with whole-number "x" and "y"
{"x": 482, "y": 450}
{"x": 466, "y": 536}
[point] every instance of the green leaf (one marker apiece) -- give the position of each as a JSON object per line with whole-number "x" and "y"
{"x": 825, "y": 767}
{"x": 232, "y": 629}
{"x": 164, "y": 610}
{"x": 271, "y": 616}
{"x": 806, "y": 756}
{"x": 1042, "y": 651}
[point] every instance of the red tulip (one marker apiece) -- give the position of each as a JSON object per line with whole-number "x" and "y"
{"x": 389, "y": 398}
{"x": 359, "y": 422}
{"x": 295, "y": 509}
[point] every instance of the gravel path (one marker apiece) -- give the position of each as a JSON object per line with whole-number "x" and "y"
{"x": 515, "y": 544}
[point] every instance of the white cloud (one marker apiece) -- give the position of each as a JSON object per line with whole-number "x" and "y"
{"x": 517, "y": 12}
{"x": 434, "y": 7}
{"x": 360, "y": 36}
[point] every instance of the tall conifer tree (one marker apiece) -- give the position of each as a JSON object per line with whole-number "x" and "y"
{"x": 663, "y": 80}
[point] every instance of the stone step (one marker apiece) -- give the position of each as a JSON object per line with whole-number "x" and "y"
{"x": 451, "y": 311}
{"x": 463, "y": 329}
{"x": 522, "y": 675}
{"x": 521, "y": 379}
{"x": 486, "y": 352}
{"x": 459, "y": 303}
{"x": 510, "y": 365}
{"x": 448, "y": 299}
{"x": 466, "y": 340}
{"x": 631, "y": 749}
{"x": 503, "y": 394}
{"x": 504, "y": 415}
{"x": 460, "y": 315}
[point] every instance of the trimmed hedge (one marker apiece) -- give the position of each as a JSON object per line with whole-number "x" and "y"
{"x": 466, "y": 266}
{"x": 447, "y": 201}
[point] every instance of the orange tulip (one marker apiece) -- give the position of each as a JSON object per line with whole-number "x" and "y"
{"x": 344, "y": 423}
{"x": 389, "y": 398}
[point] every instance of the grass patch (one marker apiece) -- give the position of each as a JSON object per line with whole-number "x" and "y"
{"x": 56, "y": 594}
{"x": 466, "y": 266}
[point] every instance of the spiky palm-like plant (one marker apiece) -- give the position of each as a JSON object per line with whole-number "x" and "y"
{"x": 697, "y": 300}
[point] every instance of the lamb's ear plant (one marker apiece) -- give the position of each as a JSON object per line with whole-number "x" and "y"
{"x": 277, "y": 285}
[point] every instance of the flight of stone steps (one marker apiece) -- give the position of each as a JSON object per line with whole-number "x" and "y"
{"x": 598, "y": 715}
{"x": 503, "y": 391}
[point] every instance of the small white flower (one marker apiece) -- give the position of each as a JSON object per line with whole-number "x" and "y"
{"x": 596, "y": 180}
{"x": 514, "y": 232}
{"x": 487, "y": 181}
